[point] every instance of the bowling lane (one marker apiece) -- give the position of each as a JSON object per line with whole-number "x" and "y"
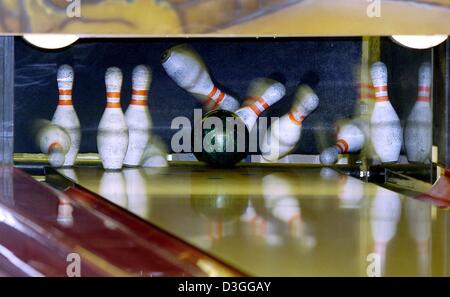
{"x": 283, "y": 220}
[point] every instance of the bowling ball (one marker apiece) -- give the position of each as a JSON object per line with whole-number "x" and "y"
{"x": 224, "y": 139}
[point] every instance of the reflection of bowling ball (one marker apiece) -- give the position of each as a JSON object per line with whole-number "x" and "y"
{"x": 222, "y": 146}
{"x": 219, "y": 207}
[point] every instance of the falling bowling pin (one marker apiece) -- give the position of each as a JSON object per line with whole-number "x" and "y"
{"x": 263, "y": 93}
{"x": 65, "y": 115}
{"x": 385, "y": 128}
{"x": 418, "y": 132}
{"x": 112, "y": 136}
{"x": 155, "y": 154}
{"x": 138, "y": 117}
{"x": 285, "y": 132}
{"x": 350, "y": 139}
{"x": 189, "y": 72}
{"x": 54, "y": 141}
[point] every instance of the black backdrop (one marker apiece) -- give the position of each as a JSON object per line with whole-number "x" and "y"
{"x": 327, "y": 64}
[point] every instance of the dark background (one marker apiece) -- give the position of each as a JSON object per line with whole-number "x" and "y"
{"x": 326, "y": 64}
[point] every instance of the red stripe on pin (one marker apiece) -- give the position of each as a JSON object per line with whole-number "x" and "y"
{"x": 138, "y": 102}
{"x": 424, "y": 88}
{"x": 219, "y": 99}
{"x": 112, "y": 105}
{"x": 113, "y": 94}
{"x": 294, "y": 120}
{"x": 65, "y": 102}
{"x": 342, "y": 145}
{"x": 139, "y": 92}
{"x": 423, "y": 98}
{"x": 65, "y": 92}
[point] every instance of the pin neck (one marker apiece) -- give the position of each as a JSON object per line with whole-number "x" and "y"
{"x": 215, "y": 97}
{"x": 424, "y": 93}
{"x": 65, "y": 97}
{"x": 296, "y": 117}
{"x": 113, "y": 100}
{"x": 342, "y": 146}
{"x": 257, "y": 104}
{"x": 55, "y": 146}
{"x": 365, "y": 92}
{"x": 139, "y": 97}
{"x": 381, "y": 93}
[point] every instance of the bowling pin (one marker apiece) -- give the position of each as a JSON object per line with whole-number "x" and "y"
{"x": 263, "y": 93}
{"x": 285, "y": 132}
{"x": 112, "y": 136}
{"x": 65, "y": 115}
{"x": 418, "y": 132}
{"x": 350, "y": 139}
{"x": 189, "y": 72}
{"x": 155, "y": 154}
{"x": 54, "y": 141}
{"x": 138, "y": 117}
{"x": 385, "y": 128}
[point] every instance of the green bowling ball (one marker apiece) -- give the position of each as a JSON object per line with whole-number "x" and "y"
{"x": 224, "y": 139}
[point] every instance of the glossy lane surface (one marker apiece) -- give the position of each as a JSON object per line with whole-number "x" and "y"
{"x": 284, "y": 220}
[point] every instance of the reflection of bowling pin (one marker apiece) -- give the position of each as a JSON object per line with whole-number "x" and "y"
{"x": 112, "y": 136}
{"x": 418, "y": 126}
{"x": 385, "y": 214}
{"x": 418, "y": 214}
{"x": 65, "y": 115}
{"x": 112, "y": 187}
{"x": 189, "y": 72}
{"x": 351, "y": 192}
{"x": 69, "y": 173}
{"x": 136, "y": 191}
{"x": 350, "y": 139}
{"x": 285, "y": 132}
{"x": 65, "y": 209}
{"x": 155, "y": 154}
{"x": 385, "y": 128}
{"x": 280, "y": 200}
{"x": 54, "y": 141}
{"x": 263, "y": 93}
{"x": 138, "y": 116}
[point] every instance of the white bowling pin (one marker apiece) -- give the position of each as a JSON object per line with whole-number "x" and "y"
{"x": 418, "y": 134}
{"x": 385, "y": 128}
{"x": 350, "y": 139}
{"x": 112, "y": 135}
{"x": 138, "y": 116}
{"x": 65, "y": 115}
{"x": 188, "y": 70}
{"x": 54, "y": 141}
{"x": 263, "y": 93}
{"x": 284, "y": 133}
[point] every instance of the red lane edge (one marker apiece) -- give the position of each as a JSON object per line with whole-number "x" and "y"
{"x": 146, "y": 230}
{"x": 44, "y": 232}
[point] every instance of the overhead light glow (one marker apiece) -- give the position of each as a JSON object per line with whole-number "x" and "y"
{"x": 419, "y": 41}
{"x": 51, "y": 41}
